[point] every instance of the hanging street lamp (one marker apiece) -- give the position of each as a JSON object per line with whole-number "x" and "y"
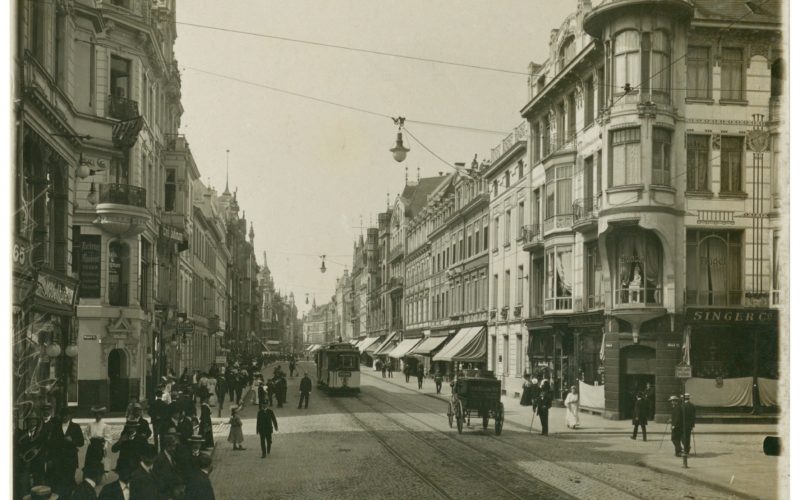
{"x": 399, "y": 151}
{"x": 322, "y": 268}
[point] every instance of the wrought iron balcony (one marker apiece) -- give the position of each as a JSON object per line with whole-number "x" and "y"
{"x": 519, "y": 134}
{"x": 638, "y": 297}
{"x": 531, "y": 236}
{"x": 122, "y": 194}
{"x": 122, "y": 108}
{"x": 711, "y": 298}
{"x": 585, "y": 209}
{"x": 556, "y": 222}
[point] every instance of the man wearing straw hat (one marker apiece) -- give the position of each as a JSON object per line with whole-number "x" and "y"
{"x": 41, "y": 492}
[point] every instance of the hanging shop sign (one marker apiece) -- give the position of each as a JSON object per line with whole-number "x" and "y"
{"x": 731, "y": 316}
{"x": 54, "y": 292}
{"x": 90, "y": 266}
{"x": 683, "y": 371}
{"x": 171, "y": 233}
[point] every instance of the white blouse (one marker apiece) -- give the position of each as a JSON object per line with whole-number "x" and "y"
{"x": 98, "y": 430}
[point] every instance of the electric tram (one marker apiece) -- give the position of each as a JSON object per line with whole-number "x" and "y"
{"x": 338, "y": 368}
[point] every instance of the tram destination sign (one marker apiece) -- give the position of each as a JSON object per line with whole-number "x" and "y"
{"x": 727, "y": 316}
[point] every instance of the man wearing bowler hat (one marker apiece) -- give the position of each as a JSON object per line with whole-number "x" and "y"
{"x": 676, "y": 421}
{"x": 64, "y": 441}
{"x": 689, "y": 417}
{"x": 119, "y": 489}
{"x": 143, "y": 484}
{"x": 92, "y": 476}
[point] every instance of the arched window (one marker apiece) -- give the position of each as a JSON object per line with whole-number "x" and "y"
{"x": 713, "y": 268}
{"x": 627, "y": 66}
{"x": 566, "y": 52}
{"x": 118, "y": 273}
{"x": 637, "y": 274}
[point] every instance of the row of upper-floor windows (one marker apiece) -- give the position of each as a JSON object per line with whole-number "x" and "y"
{"x": 463, "y": 244}
{"x": 504, "y": 281}
{"x": 510, "y": 176}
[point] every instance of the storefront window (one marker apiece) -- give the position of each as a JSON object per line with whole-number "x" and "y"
{"x": 713, "y": 268}
{"x": 118, "y": 264}
{"x": 637, "y": 275}
{"x": 558, "y": 289}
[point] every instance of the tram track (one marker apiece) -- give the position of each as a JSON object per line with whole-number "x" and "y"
{"x": 523, "y": 486}
{"x": 621, "y": 488}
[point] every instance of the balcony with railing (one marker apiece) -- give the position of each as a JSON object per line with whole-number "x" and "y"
{"x": 584, "y": 213}
{"x": 559, "y": 145}
{"x": 518, "y": 135}
{"x": 636, "y": 297}
{"x": 713, "y": 298}
{"x": 531, "y": 237}
{"x": 558, "y": 304}
{"x": 122, "y": 108}
{"x": 558, "y": 222}
{"x": 122, "y": 209}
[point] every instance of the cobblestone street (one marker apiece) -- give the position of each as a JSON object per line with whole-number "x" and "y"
{"x": 392, "y": 441}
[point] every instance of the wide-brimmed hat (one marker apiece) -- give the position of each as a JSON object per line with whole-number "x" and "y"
{"x": 98, "y": 409}
{"x": 674, "y": 398}
{"x": 686, "y": 396}
{"x": 234, "y": 408}
{"x": 196, "y": 439}
{"x": 41, "y": 492}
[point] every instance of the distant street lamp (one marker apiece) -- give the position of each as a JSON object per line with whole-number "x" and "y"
{"x": 399, "y": 151}
{"x": 322, "y": 268}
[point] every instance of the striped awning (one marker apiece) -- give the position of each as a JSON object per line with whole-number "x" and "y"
{"x": 469, "y": 345}
{"x": 427, "y": 346}
{"x": 369, "y": 345}
{"x": 403, "y": 348}
{"x": 387, "y": 345}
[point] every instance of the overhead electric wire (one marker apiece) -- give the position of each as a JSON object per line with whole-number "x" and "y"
{"x": 353, "y": 49}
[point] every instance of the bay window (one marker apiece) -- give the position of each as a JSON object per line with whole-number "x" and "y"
{"x": 637, "y": 275}
{"x": 625, "y": 162}
{"x": 659, "y": 78}
{"x": 662, "y": 147}
{"x": 732, "y": 65}
{"x": 558, "y": 286}
{"x": 713, "y": 268}
{"x": 627, "y": 67}
{"x": 558, "y": 192}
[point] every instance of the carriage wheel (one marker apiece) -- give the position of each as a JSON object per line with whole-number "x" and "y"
{"x": 459, "y": 417}
{"x": 450, "y": 414}
{"x": 499, "y": 416}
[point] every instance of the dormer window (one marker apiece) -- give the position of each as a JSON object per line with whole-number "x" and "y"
{"x": 566, "y": 53}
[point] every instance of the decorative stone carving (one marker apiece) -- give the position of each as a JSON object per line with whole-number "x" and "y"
{"x": 716, "y": 141}
{"x": 647, "y": 109}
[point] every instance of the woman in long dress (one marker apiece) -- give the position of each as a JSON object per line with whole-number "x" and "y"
{"x": 571, "y": 402}
{"x": 98, "y": 435}
{"x": 235, "y": 435}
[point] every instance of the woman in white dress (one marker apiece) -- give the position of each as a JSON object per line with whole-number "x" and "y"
{"x": 98, "y": 435}
{"x": 571, "y": 402}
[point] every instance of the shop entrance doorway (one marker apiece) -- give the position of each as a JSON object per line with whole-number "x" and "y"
{"x": 638, "y": 370}
{"x": 117, "y": 380}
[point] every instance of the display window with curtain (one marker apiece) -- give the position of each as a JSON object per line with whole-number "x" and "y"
{"x": 727, "y": 353}
{"x": 559, "y": 279}
{"x": 713, "y": 268}
{"x": 637, "y": 268}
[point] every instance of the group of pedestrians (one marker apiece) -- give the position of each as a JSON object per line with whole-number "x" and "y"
{"x": 386, "y": 368}
{"x": 539, "y": 396}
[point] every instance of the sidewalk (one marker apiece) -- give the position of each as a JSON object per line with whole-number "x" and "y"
{"x": 726, "y": 457}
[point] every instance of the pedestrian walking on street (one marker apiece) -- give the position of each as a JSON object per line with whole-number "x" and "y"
{"x": 265, "y": 423}
{"x": 641, "y": 408}
{"x": 206, "y": 427}
{"x": 92, "y": 476}
{"x": 235, "y": 435}
{"x": 407, "y": 371}
{"x": 383, "y": 369}
{"x": 98, "y": 434}
{"x": 689, "y": 418}
{"x": 143, "y": 485}
{"x": 389, "y": 368}
{"x": 544, "y": 403}
{"x": 119, "y": 489}
{"x": 222, "y": 389}
{"x": 571, "y": 402}
{"x": 280, "y": 389}
{"x": 198, "y": 485}
{"x": 241, "y": 381}
{"x": 159, "y": 413}
{"x": 271, "y": 390}
{"x": 231, "y": 383}
{"x": 165, "y": 471}
{"x": 438, "y": 379}
{"x": 66, "y": 439}
{"x": 676, "y": 424}
{"x": 650, "y": 397}
{"x": 291, "y": 368}
{"x": 420, "y": 375}
{"x": 305, "y": 390}
{"x": 261, "y": 391}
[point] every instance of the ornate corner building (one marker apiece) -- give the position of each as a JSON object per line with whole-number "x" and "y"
{"x": 656, "y": 169}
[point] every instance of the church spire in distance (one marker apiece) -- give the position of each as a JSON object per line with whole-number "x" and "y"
{"x": 227, "y": 167}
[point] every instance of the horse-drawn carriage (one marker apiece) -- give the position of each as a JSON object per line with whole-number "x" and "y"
{"x": 476, "y": 394}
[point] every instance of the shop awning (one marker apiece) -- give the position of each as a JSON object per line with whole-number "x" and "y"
{"x": 427, "y": 346}
{"x": 468, "y": 345}
{"x": 314, "y": 349}
{"x": 403, "y": 348}
{"x": 387, "y": 345}
{"x": 370, "y": 345}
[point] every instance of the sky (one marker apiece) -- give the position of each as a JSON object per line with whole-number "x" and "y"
{"x": 309, "y": 175}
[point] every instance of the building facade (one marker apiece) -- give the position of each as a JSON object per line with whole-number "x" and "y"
{"x": 654, "y": 158}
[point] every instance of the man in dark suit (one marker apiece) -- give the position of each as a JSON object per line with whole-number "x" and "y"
{"x": 206, "y": 426}
{"x": 31, "y": 444}
{"x": 185, "y": 429}
{"x": 271, "y": 390}
{"x": 143, "y": 484}
{"x": 92, "y": 476}
{"x": 143, "y": 427}
{"x": 118, "y": 489}
{"x": 543, "y": 404}
{"x": 158, "y": 413}
{"x": 129, "y": 446}
{"x": 65, "y": 439}
{"x": 280, "y": 389}
{"x": 186, "y": 457}
{"x": 676, "y": 421}
{"x": 262, "y": 391}
{"x": 305, "y": 390}
{"x": 265, "y": 423}
{"x": 165, "y": 471}
{"x": 689, "y": 417}
{"x": 198, "y": 485}
{"x": 222, "y": 390}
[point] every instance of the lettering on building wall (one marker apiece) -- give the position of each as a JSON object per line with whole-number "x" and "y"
{"x": 731, "y": 315}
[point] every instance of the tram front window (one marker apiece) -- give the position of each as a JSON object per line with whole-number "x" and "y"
{"x": 347, "y": 362}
